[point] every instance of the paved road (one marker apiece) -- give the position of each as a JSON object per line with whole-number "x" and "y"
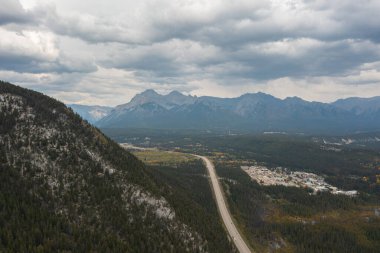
{"x": 226, "y": 216}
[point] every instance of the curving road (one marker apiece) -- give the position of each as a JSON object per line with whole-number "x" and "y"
{"x": 226, "y": 216}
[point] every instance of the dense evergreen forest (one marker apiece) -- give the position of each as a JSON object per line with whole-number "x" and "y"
{"x": 66, "y": 187}
{"x": 190, "y": 195}
{"x": 289, "y": 219}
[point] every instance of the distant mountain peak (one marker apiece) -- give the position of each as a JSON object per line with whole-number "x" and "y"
{"x": 176, "y": 97}
{"x": 145, "y": 96}
{"x": 175, "y": 93}
{"x": 258, "y": 96}
{"x": 295, "y": 99}
{"x": 150, "y": 96}
{"x": 91, "y": 113}
{"x": 359, "y": 105}
{"x": 149, "y": 92}
{"x": 153, "y": 93}
{"x": 249, "y": 112}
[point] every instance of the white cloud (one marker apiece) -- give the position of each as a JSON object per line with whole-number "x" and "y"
{"x": 30, "y": 44}
{"x": 179, "y": 57}
{"x": 106, "y": 51}
{"x": 287, "y": 47}
{"x": 324, "y": 89}
{"x": 36, "y": 51}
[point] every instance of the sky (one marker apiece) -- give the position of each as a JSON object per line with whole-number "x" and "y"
{"x": 104, "y": 52}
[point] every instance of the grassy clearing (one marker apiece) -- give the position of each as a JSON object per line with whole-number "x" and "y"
{"x": 158, "y": 157}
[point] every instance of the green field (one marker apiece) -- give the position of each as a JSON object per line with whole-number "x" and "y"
{"x": 158, "y": 157}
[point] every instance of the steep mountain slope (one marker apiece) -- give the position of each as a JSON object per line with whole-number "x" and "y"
{"x": 168, "y": 101}
{"x": 250, "y": 112}
{"x": 65, "y": 187}
{"x": 146, "y": 106}
{"x": 91, "y": 113}
{"x": 359, "y": 105}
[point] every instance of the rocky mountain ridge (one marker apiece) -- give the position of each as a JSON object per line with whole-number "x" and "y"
{"x": 257, "y": 112}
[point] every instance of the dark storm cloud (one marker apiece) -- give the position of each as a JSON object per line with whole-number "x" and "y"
{"x": 258, "y": 61}
{"x": 34, "y": 64}
{"x": 347, "y": 31}
{"x": 25, "y": 65}
{"x": 304, "y": 57}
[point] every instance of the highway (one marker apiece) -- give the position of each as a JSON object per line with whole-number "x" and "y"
{"x": 221, "y": 204}
{"x": 223, "y": 210}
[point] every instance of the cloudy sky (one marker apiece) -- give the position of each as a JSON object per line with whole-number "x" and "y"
{"x": 104, "y": 52}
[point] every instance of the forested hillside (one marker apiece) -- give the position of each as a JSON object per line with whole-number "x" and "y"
{"x": 192, "y": 198}
{"x": 65, "y": 187}
{"x": 288, "y": 219}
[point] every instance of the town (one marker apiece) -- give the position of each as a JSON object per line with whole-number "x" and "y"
{"x": 285, "y": 177}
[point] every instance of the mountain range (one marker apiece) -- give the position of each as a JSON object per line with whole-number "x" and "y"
{"x": 252, "y": 112}
{"x": 91, "y": 113}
